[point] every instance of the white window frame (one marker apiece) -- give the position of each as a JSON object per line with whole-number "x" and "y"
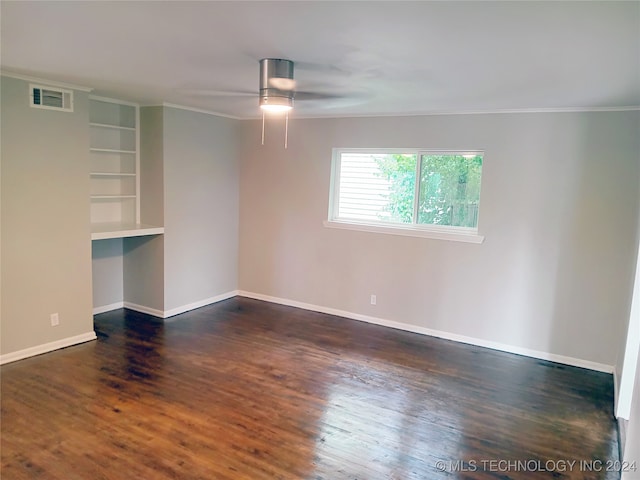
{"x": 440, "y": 232}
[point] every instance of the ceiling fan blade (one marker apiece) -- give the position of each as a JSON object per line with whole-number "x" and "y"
{"x": 218, "y": 93}
{"x": 320, "y": 67}
{"x": 318, "y": 96}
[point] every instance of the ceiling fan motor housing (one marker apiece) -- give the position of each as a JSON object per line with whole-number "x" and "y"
{"x": 276, "y": 68}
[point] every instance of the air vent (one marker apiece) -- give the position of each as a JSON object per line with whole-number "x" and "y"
{"x": 51, "y": 98}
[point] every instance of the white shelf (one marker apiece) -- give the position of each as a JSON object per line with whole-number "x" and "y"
{"x": 117, "y": 127}
{"x": 109, "y": 197}
{"x": 103, "y": 231}
{"x": 109, "y": 150}
{"x": 114, "y": 164}
{"x": 116, "y": 174}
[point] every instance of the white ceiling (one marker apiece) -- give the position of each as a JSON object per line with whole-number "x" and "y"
{"x": 387, "y": 57}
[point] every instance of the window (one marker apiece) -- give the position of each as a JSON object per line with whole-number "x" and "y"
{"x": 410, "y": 192}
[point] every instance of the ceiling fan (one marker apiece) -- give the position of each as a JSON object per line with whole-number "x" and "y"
{"x": 277, "y": 87}
{"x": 277, "y": 90}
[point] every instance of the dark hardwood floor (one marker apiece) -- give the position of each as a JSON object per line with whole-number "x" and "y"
{"x": 249, "y": 390}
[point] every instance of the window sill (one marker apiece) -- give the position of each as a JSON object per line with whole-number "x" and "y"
{"x": 408, "y": 231}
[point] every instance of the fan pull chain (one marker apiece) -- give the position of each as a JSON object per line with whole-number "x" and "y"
{"x": 286, "y": 129}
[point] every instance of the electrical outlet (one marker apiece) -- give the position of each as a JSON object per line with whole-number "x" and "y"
{"x": 55, "y": 320}
{"x": 373, "y": 299}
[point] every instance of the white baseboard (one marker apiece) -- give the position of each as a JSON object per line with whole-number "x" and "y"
{"x": 182, "y": 309}
{"x": 144, "y": 309}
{"x": 576, "y": 362}
{"x": 107, "y": 308}
{"x": 46, "y": 347}
{"x": 622, "y": 435}
{"x": 201, "y": 303}
{"x": 616, "y": 387}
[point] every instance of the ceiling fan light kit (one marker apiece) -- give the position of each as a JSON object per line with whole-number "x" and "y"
{"x": 276, "y": 90}
{"x": 276, "y": 84}
{"x": 276, "y": 104}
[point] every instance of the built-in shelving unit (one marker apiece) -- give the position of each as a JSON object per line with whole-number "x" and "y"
{"x": 115, "y": 166}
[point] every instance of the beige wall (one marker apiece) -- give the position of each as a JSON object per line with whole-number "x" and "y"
{"x": 46, "y": 248}
{"x": 189, "y": 184}
{"x": 152, "y": 165}
{"x": 558, "y": 209}
{"x": 106, "y": 272}
{"x": 201, "y": 190}
{"x": 144, "y": 256}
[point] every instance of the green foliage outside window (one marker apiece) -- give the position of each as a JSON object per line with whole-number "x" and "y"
{"x": 449, "y": 188}
{"x": 400, "y": 171}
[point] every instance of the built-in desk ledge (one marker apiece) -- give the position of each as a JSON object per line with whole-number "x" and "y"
{"x": 102, "y": 231}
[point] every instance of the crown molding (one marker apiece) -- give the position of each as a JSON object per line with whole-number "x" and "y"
{"x": 52, "y": 83}
{"x": 197, "y": 110}
{"x": 113, "y": 100}
{"x": 629, "y": 108}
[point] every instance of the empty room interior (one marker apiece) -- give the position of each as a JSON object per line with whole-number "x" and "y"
{"x": 320, "y": 240}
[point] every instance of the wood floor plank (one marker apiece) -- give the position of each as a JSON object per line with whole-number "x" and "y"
{"x": 250, "y": 390}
